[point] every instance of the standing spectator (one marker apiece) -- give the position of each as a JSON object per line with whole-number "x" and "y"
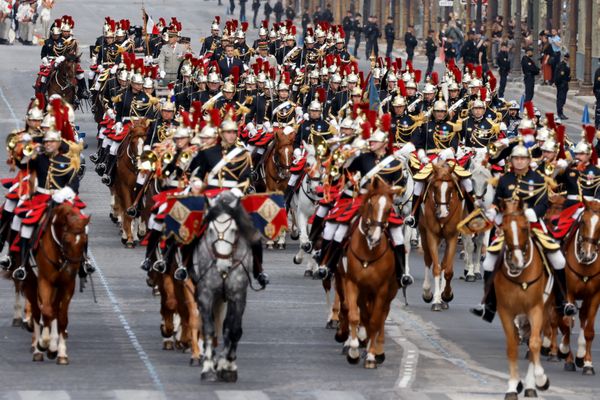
{"x": 328, "y": 14}
{"x": 25, "y": 17}
{"x": 562, "y": 76}
{"x": 556, "y": 43}
{"x": 457, "y": 37}
{"x": 530, "y": 70}
{"x": 348, "y": 25}
{"x": 255, "y": 8}
{"x": 390, "y": 35}
{"x": 317, "y": 17}
{"x": 372, "y": 33}
{"x": 410, "y": 41}
{"x": 5, "y": 21}
{"x": 243, "y": 10}
{"x": 231, "y": 7}
{"x": 469, "y": 50}
{"x": 430, "y": 51}
{"x": 482, "y": 58}
{"x": 597, "y": 95}
{"x": 357, "y": 27}
{"x": 268, "y": 10}
{"x": 290, "y": 13}
{"x": 44, "y": 11}
{"x": 305, "y": 21}
{"x": 503, "y": 62}
{"x": 546, "y": 56}
{"x": 449, "y": 49}
{"x": 278, "y": 10}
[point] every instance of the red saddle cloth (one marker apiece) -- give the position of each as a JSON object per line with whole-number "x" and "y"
{"x": 344, "y": 209}
{"x": 118, "y": 137}
{"x": 561, "y": 224}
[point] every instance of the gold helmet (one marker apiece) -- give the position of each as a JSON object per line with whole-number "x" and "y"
{"x": 440, "y": 105}
{"x": 520, "y": 150}
{"x": 168, "y": 106}
{"x": 229, "y": 87}
{"x": 399, "y": 101}
{"x": 550, "y": 145}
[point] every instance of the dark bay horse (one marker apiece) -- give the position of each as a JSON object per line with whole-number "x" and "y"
{"x": 62, "y": 79}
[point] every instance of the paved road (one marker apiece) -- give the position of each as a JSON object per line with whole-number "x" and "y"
{"x": 115, "y": 347}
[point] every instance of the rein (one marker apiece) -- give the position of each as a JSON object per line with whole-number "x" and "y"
{"x": 366, "y": 262}
{"x": 62, "y": 256}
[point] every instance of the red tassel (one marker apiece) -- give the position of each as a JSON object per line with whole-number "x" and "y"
{"x": 560, "y": 139}
{"x": 385, "y": 122}
{"x": 321, "y": 95}
{"x": 402, "y": 87}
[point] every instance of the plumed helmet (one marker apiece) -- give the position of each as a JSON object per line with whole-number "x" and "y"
{"x": 123, "y": 75}
{"x": 229, "y": 87}
{"x": 478, "y": 103}
{"x": 250, "y": 79}
{"x": 543, "y": 134}
{"x": 440, "y": 105}
{"x": 168, "y": 106}
{"x": 549, "y": 145}
{"x": 398, "y": 101}
{"x": 314, "y": 74}
{"x": 228, "y": 125}
{"x": 411, "y": 84}
{"x": 583, "y": 147}
{"x": 148, "y": 83}
{"x": 137, "y": 78}
{"x": 429, "y": 88}
{"x": 352, "y": 78}
{"x": 35, "y": 114}
{"x": 526, "y": 123}
{"x": 315, "y": 105}
{"x": 347, "y": 123}
{"x": 392, "y": 77}
{"x": 357, "y": 91}
{"x": 453, "y": 86}
{"x": 283, "y": 86}
{"x": 48, "y": 121}
{"x": 520, "y": 151}
{"x": 378, "y": 136}
{"x": 475, "y": 83}
{"x": 309, "y": 40}
{"x": 336, "y": 78}
{"x": 182, "y": 132}
{"x": 208, "y": 132}
{"x": 213, "y": 77}
{"x": 514, "y": 105}
{"x": 186, "y": 70}
{"x": 52, "y": 135}
{"x": 324, "y": 71}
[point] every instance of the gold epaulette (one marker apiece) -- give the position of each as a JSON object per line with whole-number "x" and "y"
{"x": 116, "y": 99}
{"x": 456, "y": 126}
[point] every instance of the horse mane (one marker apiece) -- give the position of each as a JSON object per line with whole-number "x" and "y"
{"x": 139, "y": 127}
{"x": 238, "y": 213}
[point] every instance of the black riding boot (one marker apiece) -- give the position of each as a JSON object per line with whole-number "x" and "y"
{"x": 403, "y": 279}
{"x": 103, "y": 153}
{"x": 5, "y": 221}
{"x": 108, "y": 176}
{"x": 82, "y": 91}
{"x": 316, "y": 229}
{"x": 134, "y": 211}
{"x": 413, "y": 219}
{"x": 257, "y": 260}
{"x": 95, "y": 157}
{"x": 287, "y": 196}
{"x": 324, "y": 249}
{"x": 153, "y": 241}
{"x": 560, "y": 289}
{"x": 335, "y": 252}
{"x": 470, "y": 201}
{"x": 7, "y": 262}
{"x": 20, "y": 273}
{"x": 487, "y": 310}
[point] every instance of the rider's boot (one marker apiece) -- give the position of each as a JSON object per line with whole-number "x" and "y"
{"x": 413, "y": 219}
{"x": 487, "y": 310}
{"x": 20, "y": 273}
{"x": 560, "y": 287}
{"x": 316, "y": 229}
{"x": 287, "y": 196}
{"x": 403, "y": 279}
{"x": 153, "y": 241}
{"x": 134, "y": 210}
{"x": 82, "y": 91}
{"x": 108, "y": 176}
{"x": 257, "y": 261}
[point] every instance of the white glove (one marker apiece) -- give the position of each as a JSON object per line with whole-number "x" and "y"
{"x": 94, "y": 60}
{"x": 64, "y": 194}
{"x": 111, "y": 113}
{"x": 299, "y": 112}
{"x": 425, "y": 160}
{"x": 45, "y": 61}
{"x": 297, "y": 154}
{"x": 267, "y": 126}
{"x": 294, "y": 88}
{"x": 118, "y": 127}
{"x": 26, "y": 137}
{"x": 533, "y": 165}
{"x": 162, "y": 74}
{"x": 530, "y": 215}
{"x": 146, "y": 147}
{"x": 113, "y": 69}
{"x": 491, "y": 213}
{"x": 91, "y": 75}
{"x": 237, "y": 192}
{"x": 446, "y": 154}
{"x": 100, "y": 68}
{"x": 305, "y": 116}
{"x": 562, "y": 164}
{"x": 505, "y": 142}
{"x": 59, "y": 60}
{"x": 405, "y": 150}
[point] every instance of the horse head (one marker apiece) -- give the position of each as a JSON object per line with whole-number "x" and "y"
{"x": 444, "y": 187}
{"x": 312, "y": 168}
{"x": 283, "y": 150}
{"x": 480, "y": 174}
{"x": 137, "y": 134}
{"x": 376, "y": 210}
{"x": 516, "y": 236}
{"x": 589, "y": 232}
{"x": 69, "y": 66}
{"x": 69, "y": 231}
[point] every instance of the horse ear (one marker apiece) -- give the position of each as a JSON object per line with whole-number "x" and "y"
{"x": 210, "y": 201}
{"x": 234, "y": 203}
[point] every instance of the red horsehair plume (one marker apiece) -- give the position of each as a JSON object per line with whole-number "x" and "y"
{"x": 529, "y": 109}
{"x": 285, "y": 78}
{"x": 560, "y": 139}
{"x": 385, "y": 122}
{"x": 124, "y": 24}
{"x": 398, "y": 64}
{"x": 372, "y": 118}
{"x": 435, "y": 79}
{"x": 590, "y": 133}
{"x": 478, "y": 71}
{"x": 215, "y": 116}
{"x": 293, "y": 30}
{"x": 196, "y": 110}
{"x": 273, "y": 73}
{"x": 218, "y": 19}
{"x": 470, "y": 68}
{"x": 256, "y": 68}
{"x": 388, "y": 62}
{"x": 457, "y": 74}
{"x": 402, "y": 87}
{"x": 365, "y": 130}
{"x": 41, "y": 101}
{"x": 492, "y": 80}
{"x": 162, "y": 22}
{"x": 550, "y": 122}
{"x": 417, "y": 75}
{"x": 321, "y": 95}
{"x": 235, "y": 73}
{"x": 185, "y": 119}
{"x": 409, "y": 66}
{"x": 265, "y": 24}
{"x": 483, "y": 93}
{"x": 362, "y": 107}
{"x": 451, "y": 64}
{"x": 361, "y": 77}
{"x": 244, "y": 26}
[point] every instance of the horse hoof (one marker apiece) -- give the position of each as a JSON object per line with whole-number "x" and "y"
{"x": 123, "y": 241}
{"x": 40, "y": 347}
{"x": 194, "y": 361}
{"x": 345, "y": 350}
{"x": 414, "y": 243}
{"x": 130, "y": 245}
{"x": 545, "y": 351}
{"x": 530, "y": 393}
{"x": 362, "y": 344}
{"x": 427, "y": 297}
{"x": 38, "y": 357}
{"x": 552, "y": 358}
{"x": 543, "y": 387}
{"x": 470, "y": 278}
{"x": 308, "y": 273}
{"x": 269, "y": 247}
{"x": 579, "y": 362}
{"x": 168, "y": 345}
{"x": 307, "y": 247}
{"x": 448, "y": 298}
{"x": 406, "y": 280}
{"x": 331, "y": 324}
{"x": 28, "y": 325}
{"x": 294, "y": 235}
{"x": 281, "y": 246}
{"x": 227, "y": 376}
{"x": 352, "y": 360}
{"x": 589, "y": 371}
{"x": 17, "y": 322}
{"x": 297, "y": 260}
{"x": 511, "y": 396}
{"x": 164, "y": 333}
{"x": 370, "y": 364}
{"x": 62, "y": 361}
{"x": 380, "y": 358}
{"x": 208, "y": 376}
{"x": 113, "y": 218}
{"x": 478, "y": 276}
{"x": 561, "y": 355}
{"x": 155, "y": 291}
{"x": 341, "y": 337}
{"x": 436, "y": 307}
{"x": 570, "y": 367}
{"x": 445, "y": 306}
{"x": 51, "y": 354}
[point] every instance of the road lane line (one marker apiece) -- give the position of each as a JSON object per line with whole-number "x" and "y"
{"x": 241, "y": 395}
{"x": 10, "y": 109}
{"x": 130, "y": 333}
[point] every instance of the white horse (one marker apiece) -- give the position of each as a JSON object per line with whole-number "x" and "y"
{"x": 481, "y": 176}
{"x": 303, "y": 206}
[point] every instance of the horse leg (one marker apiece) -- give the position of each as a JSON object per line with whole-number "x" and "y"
{"x": 45, "y": 294}
{"x": 427, "y": 294}
{"x": 469, "y": 249}
{"x": 232, "y": 333}
{"x": 206, "y": 303}
{"x": 343, "y": 329}
{"x": 512, "y": 352}
{"x": 334, "y": 318}
{"x": 193, "y": 319}
{"x": 281, "y": 241}
{"x": 38, "y": 355}
{"x": 433, "y": 245}
{"x": 376, "y": 329}
{"x": 480, "y": 239}
{"x": 536, "y": 378}
{"x": 167, "y": 311}
{"x": 18, "y": 308}
{"x": 351, "y": 292}
{"x": 448, "y": 294}
{"x": 588, "y": 368}
{"x": 65, "y": 296}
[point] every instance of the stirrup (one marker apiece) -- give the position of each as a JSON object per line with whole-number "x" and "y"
{"x": 146, "y": 265}
{"x": 410, "y": 221}
{"x": 106, "y": 180}
{"x": 263, "y": 279}
{"x": 6, "y": 262}
{"x": 569, "y": 309}
{"x": 20, "y": 273}
{"x": 88, "y": 267}
{"x": 322, "y": 272}
{"x": 160, "y": 266}
{"x": 180, "y": 274}
{"x": 133, "y": 212}
{"x": 406, "y": 280}
{"x": 94, "y": 157}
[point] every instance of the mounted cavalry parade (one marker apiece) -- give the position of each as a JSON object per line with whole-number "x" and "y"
{"x": 226, "y": 155}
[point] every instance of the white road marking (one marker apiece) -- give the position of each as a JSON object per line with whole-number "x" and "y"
{"x": 10, "y": 109}
{"x": 241, "y": 395}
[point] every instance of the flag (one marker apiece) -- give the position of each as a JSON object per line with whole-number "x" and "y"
{"x": 151, "y": 28}
{"x": 521, "y": 104}
{"x": 585, "y": 118}
{"x": 184, "y": 220}
{"x": 373, "y": 95}
{"x": 267, "y": 211}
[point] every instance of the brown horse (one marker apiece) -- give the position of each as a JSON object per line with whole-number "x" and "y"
{"x": 62, "y": 79}
{"x": 125, "y": 176}
{"x": 520, "y": 282}
{"x": 442, "y": 211}
{"x": 59, "y": 256}
{"x": 583, "y": 281}
{"x": 278, "y": 160}
{"x": 369, "y": 280}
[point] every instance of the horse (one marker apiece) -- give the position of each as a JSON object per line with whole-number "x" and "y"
{"x": 369, "y": 274}
{"x": 125, "y": 176}
{"x": 60, "y": 254}
{"x": 278, "y": 161}
{"x": 520, "y": 282}
{"x": 484, "y": 192}
{"x": 583, "y": 283}
{"x": 62, "y": 79}
{"x": 441, "y": 212}
{"x": 222, "y": 261}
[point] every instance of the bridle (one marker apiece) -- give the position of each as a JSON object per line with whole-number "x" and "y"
{"x": 580, "y": 240}
{"x": 283, "y": 170}
{"x": 368, "y": 223}
{"x": 63, "y": 259}
{"x": 449, "y": 195}
{"x": 527, "y": 249}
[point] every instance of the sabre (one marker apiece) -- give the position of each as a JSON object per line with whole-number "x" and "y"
{"x": 132, "y": 210}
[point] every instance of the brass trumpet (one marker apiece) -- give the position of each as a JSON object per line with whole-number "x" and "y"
{"x": 549, "y": 169}
{"x": 167, "y": 157}
{"x": 148, "y": 161}
{"x": 11, "y": 141}
{"x": 29, "y": 150}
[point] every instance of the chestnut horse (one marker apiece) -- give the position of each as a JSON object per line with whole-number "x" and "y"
{"x": 125, "y": 176}
{"x": 62, "y": 79}
{"x": 369, "y": 278}
{"x": 583, "y": 281}
{"x": 278, "y": 162}
{"x": 59, "y": 256}
{"x": 442, "y": 211}
{"x": 520, "y": 283}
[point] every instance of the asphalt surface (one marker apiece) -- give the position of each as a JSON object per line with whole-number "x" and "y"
{"x": 115, "y": 346}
